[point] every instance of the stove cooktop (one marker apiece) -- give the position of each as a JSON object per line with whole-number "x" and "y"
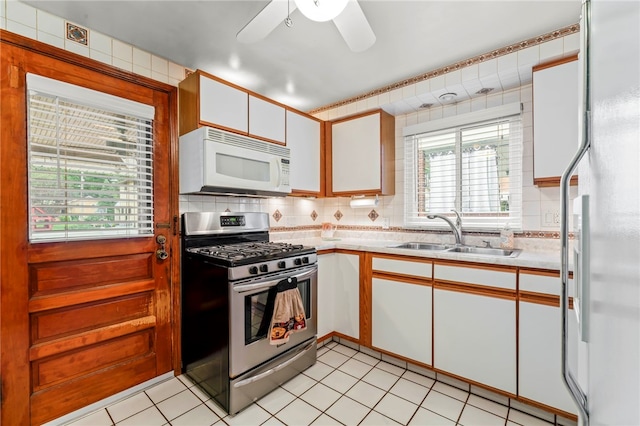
{"x": 251, "y": 251}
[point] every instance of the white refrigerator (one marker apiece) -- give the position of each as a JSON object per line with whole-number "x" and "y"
{"x": 609, "y": 173}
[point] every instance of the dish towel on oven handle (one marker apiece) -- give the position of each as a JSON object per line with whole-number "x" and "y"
{"x": 288, "y": 312}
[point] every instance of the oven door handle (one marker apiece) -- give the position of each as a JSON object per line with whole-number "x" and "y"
{"x": 274, "y": 369}
{"x": 242, "y": 288}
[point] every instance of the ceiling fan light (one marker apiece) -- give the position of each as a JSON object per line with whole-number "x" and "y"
{"x": 321, "y": 10}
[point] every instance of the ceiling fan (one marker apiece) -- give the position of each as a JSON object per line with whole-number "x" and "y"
{"x": 346, "y": 15}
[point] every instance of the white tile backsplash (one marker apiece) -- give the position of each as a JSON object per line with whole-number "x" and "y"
{"x": 50, "y": 24}
{"x": 21, "y": 29}
{"x": 122, "y": 51}
{"x": 551, "y": 50}
{"x": 51, "y": 39}
{"x": 76, "y": 47}
{"x": 101, "y": 43}
{"x": 22, "y": 13}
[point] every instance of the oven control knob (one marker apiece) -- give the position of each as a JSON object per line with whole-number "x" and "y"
{"x": 253, "y": 270}
{"x": 305, "y": 259}
{"x": 264, "y": 268}
{"x": 282, "y": 264}
{"x": 297, "y": 261}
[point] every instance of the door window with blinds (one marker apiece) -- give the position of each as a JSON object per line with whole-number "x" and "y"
{"x": 90, "y": 166}
{"x": 473, "y": 168}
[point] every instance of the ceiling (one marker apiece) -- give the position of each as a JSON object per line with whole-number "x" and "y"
{"x": 309, "y": 66}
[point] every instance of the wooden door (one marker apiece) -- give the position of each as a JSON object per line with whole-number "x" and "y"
{"x": 81, "y": 320}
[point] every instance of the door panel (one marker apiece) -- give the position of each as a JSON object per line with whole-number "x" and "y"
{"x": 81, "y": 320}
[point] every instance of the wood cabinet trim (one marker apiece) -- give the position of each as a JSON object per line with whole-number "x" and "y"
{"x": 555, "y": 63}
{"x": 541, "y": 299}
{"x": 402, "y": 358}
{"x": 221, "y": 80}
{"x": 548, "y": 408}
{"x": 355, "y": 116}
{"x": 474, "y": 383}
{"x": 402, "y": 257}
{"x": 402, "y": 278}
{"x": 478, "y": 290}
{"x": 548, "y": 182}
{"x": 475, "y": 265}
{"x": 542, "y": 272}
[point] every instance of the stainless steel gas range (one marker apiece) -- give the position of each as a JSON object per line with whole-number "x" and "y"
{"x": 230, "y": 271}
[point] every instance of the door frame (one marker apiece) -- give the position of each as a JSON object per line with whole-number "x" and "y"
{"x": 14, "y": 359}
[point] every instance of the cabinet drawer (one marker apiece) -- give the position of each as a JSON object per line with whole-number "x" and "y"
{"x": 543, "y": 282}
{"x": 476, "y": 275}
{"x": 402, "y": 267}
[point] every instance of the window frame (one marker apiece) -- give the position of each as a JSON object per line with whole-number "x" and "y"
{"x": 124, "y": 115}
{"x": 414, "y": 218}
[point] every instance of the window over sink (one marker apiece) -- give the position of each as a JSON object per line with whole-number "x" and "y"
{"x": 471, "y": 163}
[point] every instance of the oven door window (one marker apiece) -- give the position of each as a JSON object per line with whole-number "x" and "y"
{"x": 258, "y": 310}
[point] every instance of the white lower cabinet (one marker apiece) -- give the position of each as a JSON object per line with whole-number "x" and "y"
{"x": 539, "y": 364}
{"x": 401, "y": 318}
{"x": 475, "y": 338}
{"x": 540, "y": 371}
{"x": 339, "y": 294}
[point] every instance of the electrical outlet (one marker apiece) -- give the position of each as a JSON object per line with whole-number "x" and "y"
{"x": 386, "y": 223}
{"x": 556, "y": 217}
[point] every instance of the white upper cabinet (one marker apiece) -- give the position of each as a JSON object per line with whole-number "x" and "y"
{"x": 206, "y": 100}
{"x": 266, "y": 119}
{"x": 304, "y": 139}
{"x": 555, "y": 119}
{"x": 363, "y": 155}
{"x": 223, "y": 105}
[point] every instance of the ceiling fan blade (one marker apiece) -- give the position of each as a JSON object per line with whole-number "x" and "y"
{"x": 355, "y": 28}
{"x": 266, "y": 21}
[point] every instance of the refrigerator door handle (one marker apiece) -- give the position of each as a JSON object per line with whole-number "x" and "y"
{"x": 578, "y": 395}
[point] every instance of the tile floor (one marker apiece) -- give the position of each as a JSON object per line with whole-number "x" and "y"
{"x": 345, "y": 387}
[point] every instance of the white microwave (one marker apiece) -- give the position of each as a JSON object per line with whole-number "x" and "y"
{"x": 214, "y": 161}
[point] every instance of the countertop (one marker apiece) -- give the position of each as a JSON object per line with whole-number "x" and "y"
{"x": 540, "y": 260}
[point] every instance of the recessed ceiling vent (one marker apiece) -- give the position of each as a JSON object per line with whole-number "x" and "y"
{"x": 448, "y": 97}
{"x": 484, "y": 91}
{"x": 425, "y": 106}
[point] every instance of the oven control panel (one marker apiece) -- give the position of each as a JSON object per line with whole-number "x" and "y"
{"x": 232, "y": 221}
{"x": 271, "y": 266}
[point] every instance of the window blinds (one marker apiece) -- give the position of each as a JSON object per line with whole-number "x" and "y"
{"x": 475, "y": 169}
{"x": 90, "y": 165}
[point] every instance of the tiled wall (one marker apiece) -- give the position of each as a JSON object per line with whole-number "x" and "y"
{"x": 36, "y": 24}
{"x": 539, "y": 205}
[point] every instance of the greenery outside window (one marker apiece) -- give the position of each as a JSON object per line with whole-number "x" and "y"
{"x": 90, "y": 163}
{"x": 473, "y": 166}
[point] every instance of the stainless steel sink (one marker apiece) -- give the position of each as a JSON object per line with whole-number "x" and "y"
{"x": 485, "y": 251}
{"x": 422, "y": 246}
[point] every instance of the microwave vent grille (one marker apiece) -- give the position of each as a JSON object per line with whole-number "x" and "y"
{"x": 246, "y": 142}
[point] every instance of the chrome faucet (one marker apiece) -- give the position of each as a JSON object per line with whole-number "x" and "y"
{"x": 456, "y": 227}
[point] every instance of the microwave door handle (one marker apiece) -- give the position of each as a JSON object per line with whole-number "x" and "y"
{"x": 243, "y": 288}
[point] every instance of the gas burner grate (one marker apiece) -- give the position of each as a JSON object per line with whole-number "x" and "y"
{"x": 251, "y": 250}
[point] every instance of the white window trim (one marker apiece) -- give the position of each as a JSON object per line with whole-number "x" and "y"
{"x": 38, "y": 83}
{"x": 464, "y": 119}
{"x": 50, "y": 88}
